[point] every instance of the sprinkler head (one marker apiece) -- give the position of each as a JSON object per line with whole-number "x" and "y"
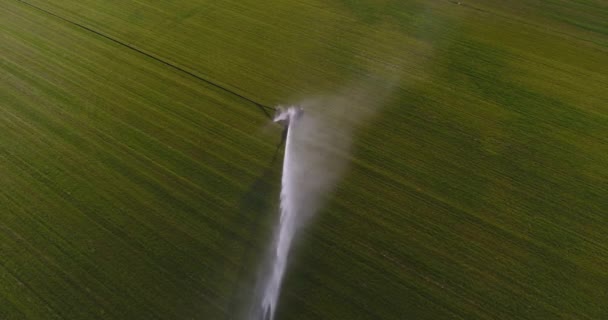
{"x": 285, "y": 115}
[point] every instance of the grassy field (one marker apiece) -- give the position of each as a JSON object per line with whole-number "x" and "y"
{"x": 137, "y": 173}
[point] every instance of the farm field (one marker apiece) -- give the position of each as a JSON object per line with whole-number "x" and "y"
{"x": 139, "y": 178}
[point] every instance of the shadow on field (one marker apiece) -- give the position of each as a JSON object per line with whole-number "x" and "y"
{"x": 258, "y": 205}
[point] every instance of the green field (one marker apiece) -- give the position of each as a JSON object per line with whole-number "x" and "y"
{"x": 137, "y": 175}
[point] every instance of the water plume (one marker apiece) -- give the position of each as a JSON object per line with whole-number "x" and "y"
{"x": 317, "y": 144}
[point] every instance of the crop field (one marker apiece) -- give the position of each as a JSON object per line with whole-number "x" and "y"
{"x": 139, "y": 175}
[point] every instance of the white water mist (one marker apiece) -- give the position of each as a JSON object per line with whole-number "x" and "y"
{"x": 317, "y": 146}
{"x": 311, "y": 165}
{"x": 287, "y": 223}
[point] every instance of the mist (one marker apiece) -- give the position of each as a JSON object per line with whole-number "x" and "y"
{"x": 318, "y": 144}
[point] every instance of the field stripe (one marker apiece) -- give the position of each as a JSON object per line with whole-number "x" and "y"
{"x": 126, "y": 243}
{"x": 133, "y": 151}
{"x": 214, "y": 224}
{"x": 152, "y": 56}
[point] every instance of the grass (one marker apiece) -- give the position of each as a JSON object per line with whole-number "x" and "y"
{"x": 134, "y": 189}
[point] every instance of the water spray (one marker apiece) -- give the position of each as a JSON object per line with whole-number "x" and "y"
{"x": 317, "y": 147}
{"x": 287, "y": 223}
